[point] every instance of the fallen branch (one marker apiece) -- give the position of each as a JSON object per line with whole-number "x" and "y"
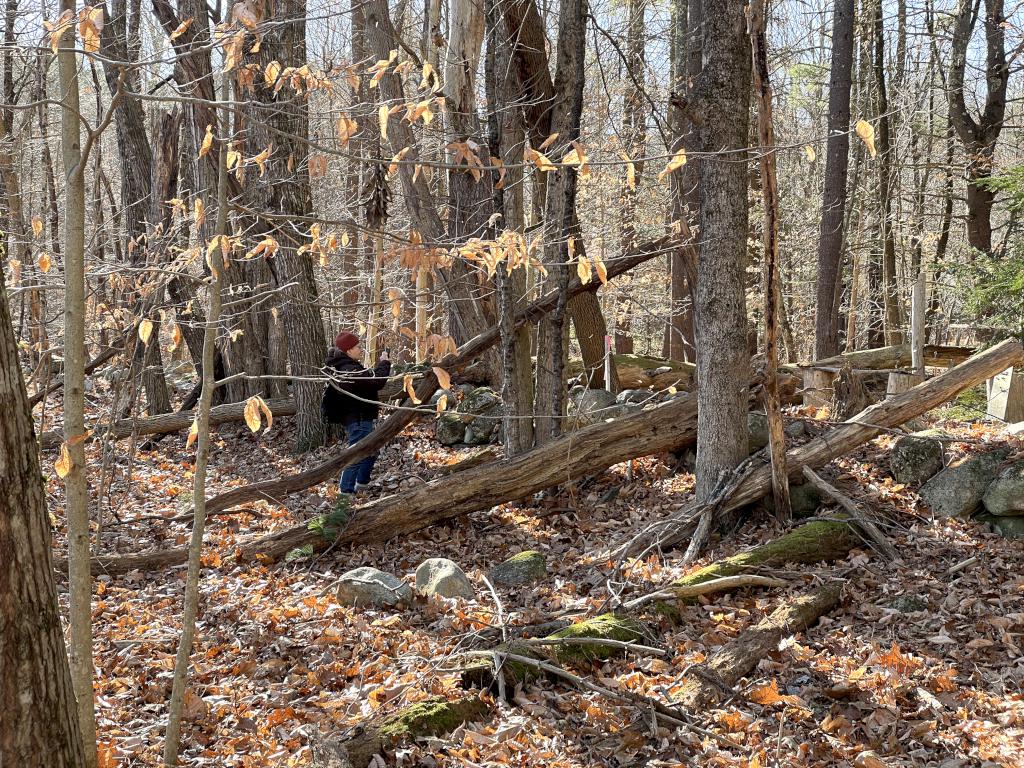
{"x": 689, "y": 591}
{"x": 870, "y": 422}
{"x": 875, "y": 537}
{"x": 707, "y": 684}
{"x": 174, "y": 422}
{"x": 895, "y": 356}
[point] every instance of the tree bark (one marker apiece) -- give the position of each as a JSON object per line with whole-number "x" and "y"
{"x": 979, "y": 135}
{"x": 561, "y": 232}
{"x": 40, "y": 726}
{"x": 75, "y": 481}
{"x": 724, "y": 96}
{"x": 893, "y": 316}
{"x": 833, "y": 203}
{"x": 285, "y": 189}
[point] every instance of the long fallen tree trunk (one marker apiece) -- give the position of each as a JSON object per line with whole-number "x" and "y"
{"x": 276, "y": 488}
{"x": 869, "y": 423}
{"x": 895, "y": 356}
{"x": 667, "y": 427}
{"x": 175, "y": 422}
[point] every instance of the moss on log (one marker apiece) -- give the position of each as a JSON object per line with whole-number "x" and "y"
{"x": 607, "y": 626}
{"x": 434, "y": 717}
{"x": 814, "y": 542}
{"x": 480, "y": 673}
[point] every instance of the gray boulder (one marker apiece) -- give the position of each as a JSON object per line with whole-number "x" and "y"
{"x": 638, "y": 396}
{"x": 914, "y": 458}
{"x": 957, "y": 490}
{"x": 522, "y": 568}
{"x": 1009, "y": 527}
{"x": 368, "y": 586}
{"x": 591, "y": 406}
{"x": 1005, "y": 494}
{"x": 476, "y": 420}
{"x": 757, "y": 430}
{"x": 441, "y": 576}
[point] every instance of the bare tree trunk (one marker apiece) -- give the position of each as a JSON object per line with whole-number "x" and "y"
{"x": 831, "y": 238}
{"x": 772, "y": 292}
{"x": 506, "y": 138}
{"x": 40, "y": 726}
{"x": 285, "y": 189}
{"x": 723, "y": 93}
{"x": 559, "y": 216}
{"x": 75, "y": 481}
{"x": 979, "y": 135}
{"x": 893, "y": 320}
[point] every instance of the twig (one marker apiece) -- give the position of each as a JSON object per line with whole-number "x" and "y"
{"x": 962, "y": 565}
{"x": 875, "y": 537}
{"x": 663, "y": 712}
{"x": 623, "y": 644}
{"x": 722, "y": 584}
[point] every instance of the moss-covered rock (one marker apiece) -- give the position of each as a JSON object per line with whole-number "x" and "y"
{"x": 607, "y": 626}
{"x": 434, "y": 717}
{"x": 480, "y": 672}
{"x": 522, "y": 568}
{"x": 804, "y": 500}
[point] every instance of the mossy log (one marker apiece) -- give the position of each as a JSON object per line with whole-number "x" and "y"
{"x": 434, "y": 717}
{"x": 814, "y": 542}
{"x": 707, "y": 684}
{"x": 607, "y": 626}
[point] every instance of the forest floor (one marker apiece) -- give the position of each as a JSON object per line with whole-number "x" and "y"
{"x": 277, "y": 655}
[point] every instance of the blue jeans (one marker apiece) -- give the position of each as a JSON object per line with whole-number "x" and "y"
{"x": 360, "y": 471}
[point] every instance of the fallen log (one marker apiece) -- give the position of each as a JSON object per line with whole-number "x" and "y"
{"x": 819, "y": 541}
{"x": 709, "y": 683}
{"x": 276, "y": 488}
{"x": 895, "y": 356}
{"x": 869, "y": 423}
{"x": 174, "y": 422}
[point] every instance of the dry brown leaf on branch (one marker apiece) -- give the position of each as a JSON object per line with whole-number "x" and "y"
{"x": 678, "y": 161}
{"x": 44, "y": 262}
{"x": 63, "y": 464}
{"x": 867, "y": 134}
{"x": 182, "y": 28}
{"x": 145, "y": 330}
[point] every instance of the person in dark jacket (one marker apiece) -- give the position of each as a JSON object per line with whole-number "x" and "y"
{"x": 351, "y": 399}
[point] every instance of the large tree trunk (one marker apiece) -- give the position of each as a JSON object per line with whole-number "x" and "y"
{"x": 979, "y": 136}
{"x": 40, "y": 724}
{"x": 833, "y": 202}
{"x": 506, "y": 137}
{"x": 723, "y": 93}
{"x": 285, "y": 190}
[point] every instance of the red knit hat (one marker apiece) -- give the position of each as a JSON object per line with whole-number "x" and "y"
{"x": 345, "y": 341}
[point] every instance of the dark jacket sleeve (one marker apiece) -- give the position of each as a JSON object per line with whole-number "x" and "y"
{"x": 364, "y": 383}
